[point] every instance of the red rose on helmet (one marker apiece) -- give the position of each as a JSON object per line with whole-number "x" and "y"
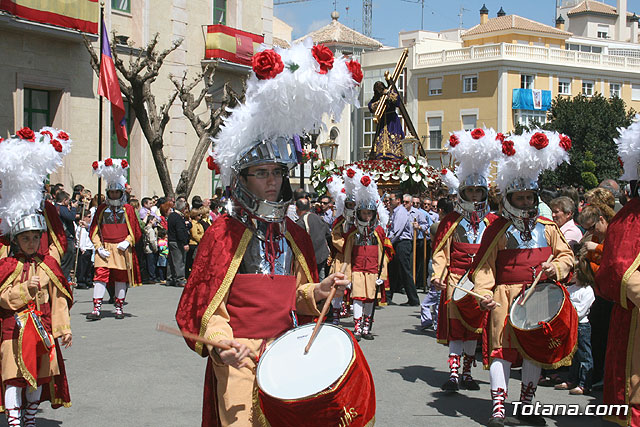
{"x": 500, "y": 137}
{"x": 108, "y": 162}
{"x": 124, "y": 163}
{"x": 356, "y": 70}
{"x": 267, "y": 64}
{"x": 454, "y": 140}
{"x": 95, "y": 165}
{"x": 344, "y": 191}
{"x": 324, "y": 56}
{"x": 477, "y": 133}
{"x": 211, "y": 164}
{"x": 539, "y": 140}
{"x": 26, "y": 133}
{"x": 46, "y": 132}
{"x": 1, "y": 139}
{"x": 56, "y": 144}
{"x": 330, "y": 180}
{"x": 351, "y": 173}
{"x": 365, "y": 180}
{"x": 63, "y": 135}
{"x": 507, "y": 148}
{"x": 565, "y": 142}
{"x": 444, "y": 171}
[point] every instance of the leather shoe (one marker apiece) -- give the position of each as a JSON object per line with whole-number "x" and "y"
{"x": 532, "y": 420}
{"x": 408, "y": 304}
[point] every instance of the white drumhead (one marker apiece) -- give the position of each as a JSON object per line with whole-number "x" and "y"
{"x": 458, "y": 294}
{"x": 285, "y": 372}
{"x": 542, "y": 306}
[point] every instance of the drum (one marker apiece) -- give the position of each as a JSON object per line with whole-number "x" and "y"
{"x": 331, "y": 385}
{"x": 470, "y": 314}
{"x": 546, "y": 326}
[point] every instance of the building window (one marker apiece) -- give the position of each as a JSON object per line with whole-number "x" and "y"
{"x": 400, "y": 84}
{"x": 121, "y": 5}
{"x": 220, "y": 12}
{"x": 369, "y": 130}
{"x": 435, "y": 86}
{"x": 583, "y": 48}
{"x": 564, "y": 86}
{"x": 587, "y": 88}
{"x": 37, "y": 108}
{"x": 614, "y": 89}
{"x": 435, "y": 133}
{"x": 603, "y": 32}
{"x": 529, "y": 117}
{"x": 526, "y": 81}
{"x": 469, "y": 121}
{"x": 635, "y": 92}
{"x": 469, "y": 84}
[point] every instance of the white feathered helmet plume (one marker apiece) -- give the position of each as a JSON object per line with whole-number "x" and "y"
{"x": 629, "y": 149}
{"x": 287, "y": 94}
{"x": 335, "y": 188}
{"x": 524, "y": 158}
{"x": 450, "y": 179}
{"x": 113, "y": 171}
{"x": 368, "y": 198}
{"x": 25, "y": 161}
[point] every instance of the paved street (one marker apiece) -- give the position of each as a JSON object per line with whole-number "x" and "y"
{"x": 124, "y": 373}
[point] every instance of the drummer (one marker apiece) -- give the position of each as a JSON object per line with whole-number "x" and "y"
{"x": 255, "y": 268}
{"x": 367, "y": 251}
{"x": 513, "y": 250}
{"x": 455, "y": 246}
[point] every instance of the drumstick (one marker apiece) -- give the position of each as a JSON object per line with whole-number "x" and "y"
{"x": 470, "y": 292}
{"x": 325, "y": 310}
{"x": 215, "y": 344}
{"x": 535, "y": 282}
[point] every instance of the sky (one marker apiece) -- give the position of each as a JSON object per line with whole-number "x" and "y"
{"x": 393, "y": 16}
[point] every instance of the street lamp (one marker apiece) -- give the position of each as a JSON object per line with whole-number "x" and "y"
{"x": 329, "y": 149}
{"x": 308, "y": 138}
{"x": 410, "y": 147}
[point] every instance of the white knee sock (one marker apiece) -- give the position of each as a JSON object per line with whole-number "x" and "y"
{"x": 357, "y": 309}
{"x": 368, "y": 308}
{"x": 530, "y": 373}
{"x": 499, "y": 374}
{"x": 31, "y": 409}
{"x": 13, "y": 404}
{"x": 469, "y": 347}
{"x": 121, "y": 290}
{"x": 455, "y": 347}
{"x": 99, "y": 288}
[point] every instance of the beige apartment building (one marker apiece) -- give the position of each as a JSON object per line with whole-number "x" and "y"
{"x": 46, "y": 78}
{"x": 508, "y": 68}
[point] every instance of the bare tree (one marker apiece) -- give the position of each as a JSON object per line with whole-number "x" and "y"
{"x": 135, "y": 83}
{"x": 205, "y": 129}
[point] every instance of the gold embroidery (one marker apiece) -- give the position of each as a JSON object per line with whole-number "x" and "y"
{"x": 299, "y": 257}
{"x": 53, "y": 277}
{"x": 348, "y": 417}
{"x": 21, "y": 365}
{"x": 61, "y": 328}
{"x": 554, "y": 343}
{"x": 447, "y": 235}
{"x": 625, "y": 280}
{"x": 630, "y": 345}
{"x": 13, "y": 276}
{"x": 52, "y": 233}
{"x": 491, "y": 246}
{"x": 224, "y": 287}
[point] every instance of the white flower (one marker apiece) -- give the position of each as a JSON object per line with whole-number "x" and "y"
{"x": 395, "y": 177}
{"x": 385, "y": 177}
{"x": 422, "y": 161}
{"x": 404, "y": 177}
{"x": 416, "y": 177}
{"x": 315, "y": 184}
{"x": 331, "y": 165}
{"x": 317, "y": 164}
{"x": 413, "y": 169}
{"x": 412, "y": 160}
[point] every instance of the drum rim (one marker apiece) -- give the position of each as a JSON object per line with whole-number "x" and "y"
{"x": 333, "y": 385}
{"x": 564, "y": 301}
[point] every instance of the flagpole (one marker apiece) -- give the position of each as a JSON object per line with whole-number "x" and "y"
{"x": 100, "y": 100}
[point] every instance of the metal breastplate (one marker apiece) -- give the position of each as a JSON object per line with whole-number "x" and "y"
{"x": 538, "y": 238}
{"x": 114, "y": 215}
{"x": 362, "y": 240}
{"x": 254, "y": 261}
{"x": 464, "y": 232}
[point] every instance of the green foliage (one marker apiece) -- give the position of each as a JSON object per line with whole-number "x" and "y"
{"x": 591, "y": 123}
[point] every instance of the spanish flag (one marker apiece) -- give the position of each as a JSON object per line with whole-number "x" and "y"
{"x": 79, "y": 15}
{"x": 231, "y": 44}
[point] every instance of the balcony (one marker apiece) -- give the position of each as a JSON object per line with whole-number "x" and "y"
{"x": 536, "y": 54}
{"x": 230, "y": 44}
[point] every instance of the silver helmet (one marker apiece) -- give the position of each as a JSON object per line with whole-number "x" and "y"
{"x": 30, "y": 222}
{"x": 523, "y": 219}
{"x": 279, "y": 150}
{"x": 116, "y": 186}
{"x": 366, "y": 227}
{"x": 466, "y": 207}
{"x": 349, "y": 213}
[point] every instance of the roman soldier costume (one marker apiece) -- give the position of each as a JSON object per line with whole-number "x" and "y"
{"x": 618, "y": 280}
{"x": 114, "y": 232}
{"x": 255, "y": 275}
{"x": 455, "y": 245}
{"x": 512, "y": 251}
{"x": 367, "y": 251}
{"x": 32, "y": 317}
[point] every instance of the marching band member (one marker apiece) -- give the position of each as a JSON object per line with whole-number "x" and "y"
{"x": 367, "y": 251}
{"x": 455, "y": 245}
{"x": 255, "y": 267}
{"x": 513, "y": 250}
{"x": 114, "y": 232}
{"x": 618, "y": 280}
{"x": 34, "y": 294}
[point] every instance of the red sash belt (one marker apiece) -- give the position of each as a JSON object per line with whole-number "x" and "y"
{"x": 461, "y": 257}
{"x": 114, "y": 233}
{"x": 11, "y": 331}
{"x": 514, "y": 266}
{"x": 260, "y": 306}
{"x": 365, "y": 259}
